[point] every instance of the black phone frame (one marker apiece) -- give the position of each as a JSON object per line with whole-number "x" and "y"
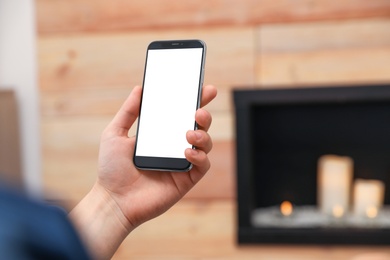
{"x": 162, "y": 163}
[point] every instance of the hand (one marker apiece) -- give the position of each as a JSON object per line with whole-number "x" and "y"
{"x": 124, "y": 197}
{"x": 142, "y": 195}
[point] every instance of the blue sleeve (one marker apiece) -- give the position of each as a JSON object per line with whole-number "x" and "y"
{"x": 33, "y": 230}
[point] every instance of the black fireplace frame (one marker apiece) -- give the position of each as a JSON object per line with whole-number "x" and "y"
{"x": 244, "y": 101}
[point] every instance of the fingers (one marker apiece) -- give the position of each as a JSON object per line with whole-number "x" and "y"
{"x": 203, "y": 119}
{"x": 127, "y": 114}
{"x": 200, "y": 139}
{"x": 209, "y": 92}
{"x": 200, "y": 162}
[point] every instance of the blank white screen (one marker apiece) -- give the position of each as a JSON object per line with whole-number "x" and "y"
{"x": 169, "y": 102}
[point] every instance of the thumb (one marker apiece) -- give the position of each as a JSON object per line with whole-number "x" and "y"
{"x": 127, "y": 114}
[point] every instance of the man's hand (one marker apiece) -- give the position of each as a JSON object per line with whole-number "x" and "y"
{"x": 124, "y": 197}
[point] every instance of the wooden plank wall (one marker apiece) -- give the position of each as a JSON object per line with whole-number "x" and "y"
{"x": 92, "y": 52}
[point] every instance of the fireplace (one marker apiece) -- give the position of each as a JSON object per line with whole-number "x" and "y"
{"x": 290, "y": 142}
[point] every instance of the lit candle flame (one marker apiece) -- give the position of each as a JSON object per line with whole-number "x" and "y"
{"x": 286, "y": 208}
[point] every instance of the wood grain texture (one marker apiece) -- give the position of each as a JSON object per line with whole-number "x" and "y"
{"x": 106, "y": 60}
{"x": 329, "y": 35}
{"x": 325, "y": 67}
{"x": 103, "y": 15}
{"x": 206, "y": 230}
{"x": 219, "y": 182}
{"x": 324, "y": 53}
{"x": 69, "y": 156}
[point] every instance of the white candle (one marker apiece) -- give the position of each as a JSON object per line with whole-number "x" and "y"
{"x": 334, "y": 184}
{"x": 368, "y": 197}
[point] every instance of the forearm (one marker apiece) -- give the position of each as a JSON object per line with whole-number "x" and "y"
{"x": 100, "y": 222}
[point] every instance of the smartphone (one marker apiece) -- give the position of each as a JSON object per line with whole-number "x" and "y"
{"x": 171, "y": 94}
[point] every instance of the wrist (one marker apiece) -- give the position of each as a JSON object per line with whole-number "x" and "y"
{"x": 110, "y": 207}
{"x": 101, "y": 222}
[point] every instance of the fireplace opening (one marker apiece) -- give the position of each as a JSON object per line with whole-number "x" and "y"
{"x": 313, "y": 165}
